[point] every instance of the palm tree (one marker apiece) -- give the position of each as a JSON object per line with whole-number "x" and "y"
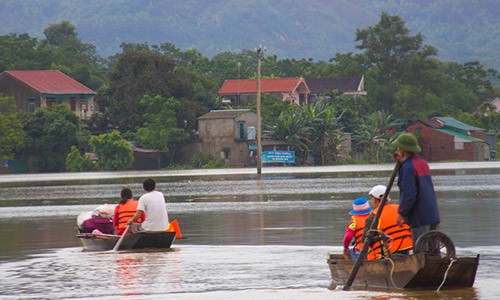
{"x": 374, "y": 134}
{"x": 293, "y": 129}
{"x": 326, "y": 132}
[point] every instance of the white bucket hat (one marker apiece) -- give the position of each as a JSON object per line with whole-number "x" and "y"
{"x": 378, "y": 191}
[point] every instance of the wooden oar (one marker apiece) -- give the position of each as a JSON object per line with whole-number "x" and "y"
{"x": 368, "y": 240}
{"x": 119, "y": 243}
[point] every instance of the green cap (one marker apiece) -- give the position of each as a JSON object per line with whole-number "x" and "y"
{"x": 408, "y": 142}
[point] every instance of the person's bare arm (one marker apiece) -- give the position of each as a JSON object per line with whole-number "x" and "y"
{"x": 135, "y": 217}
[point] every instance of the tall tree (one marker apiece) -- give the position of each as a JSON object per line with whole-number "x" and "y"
{"x": 135, "y": 74}
{"x": 22, "y": 52}
{"x": 388, "y": 46}
{"x": 72, "y": 56}
{"x": 11, "y": 129}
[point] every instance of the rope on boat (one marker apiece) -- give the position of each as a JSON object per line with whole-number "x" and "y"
{"x": 446, "y": 273}
{"x": 392, "y": 271}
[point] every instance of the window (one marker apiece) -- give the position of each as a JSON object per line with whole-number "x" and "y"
{"x": 50, "y": 101}
{"x": 459, "y": 145}
{"x": 31, "y": 105}
{"x": 242, "y": 130}
{"x": 72, "y": 104}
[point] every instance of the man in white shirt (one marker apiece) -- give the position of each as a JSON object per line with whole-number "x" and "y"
{"x": 152, "y": 203}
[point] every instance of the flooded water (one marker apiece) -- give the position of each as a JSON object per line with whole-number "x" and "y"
{"x": 246, "y": 238}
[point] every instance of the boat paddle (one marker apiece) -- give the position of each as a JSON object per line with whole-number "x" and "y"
{"x": 368, "y": 240}
{"x": 120, "y": 240}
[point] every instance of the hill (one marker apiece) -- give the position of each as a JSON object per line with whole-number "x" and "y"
{"x": 462, "y": 30}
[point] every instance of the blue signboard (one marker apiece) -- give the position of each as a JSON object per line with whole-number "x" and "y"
{"x": 252, "y": 147}
{"x": 278, "y": 157}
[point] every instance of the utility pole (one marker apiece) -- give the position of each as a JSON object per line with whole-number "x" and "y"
{"x": 259, "y": 121}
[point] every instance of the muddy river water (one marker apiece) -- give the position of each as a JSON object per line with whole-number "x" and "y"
{"x": 245, "y": 238}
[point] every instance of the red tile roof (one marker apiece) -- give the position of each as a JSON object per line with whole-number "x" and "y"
{"x": 247, "y": 86}
{"x": 50, "y": 81}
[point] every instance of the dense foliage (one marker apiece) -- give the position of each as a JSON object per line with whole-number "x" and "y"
{"x": 112, "y": 150}
{"x": 49, "y": 135}
{"x": 11, "y": 129}
{"x": 76, "y": 162}
{"x": 155, "y": 93}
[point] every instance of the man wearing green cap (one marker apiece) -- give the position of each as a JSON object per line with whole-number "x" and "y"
{"x": 417, "y": 203}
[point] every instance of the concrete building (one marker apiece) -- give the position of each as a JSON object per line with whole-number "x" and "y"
{"x": 228, "y": 134}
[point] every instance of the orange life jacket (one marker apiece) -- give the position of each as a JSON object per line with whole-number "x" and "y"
{"x": 399, "y": 236}
{"x": 359, "y": 225}
{"x": 126, "y": 212}
{"x": 174, "y": 227}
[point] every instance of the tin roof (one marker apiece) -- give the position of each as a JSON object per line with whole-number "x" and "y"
{"x": 459, "y": 135}
{"x": 50, "y": 82}
{"x": 450, "y": 122}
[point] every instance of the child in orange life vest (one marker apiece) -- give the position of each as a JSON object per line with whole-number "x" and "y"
{"x": 399, "y": 234}
{"x": 360, "y": 211}
{"x": 125, "y": 210}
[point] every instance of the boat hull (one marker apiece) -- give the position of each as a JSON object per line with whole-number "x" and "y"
{"x": 141, "y": 240}
{"x": 411, "y": 271}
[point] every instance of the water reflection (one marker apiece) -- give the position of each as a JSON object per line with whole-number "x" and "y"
{"x": 207, "y": 272}
{"x": 128, "y": 274}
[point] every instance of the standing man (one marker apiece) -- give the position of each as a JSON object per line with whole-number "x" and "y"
{"x": 417, "y": 203}
{"x": 152, "y": 203}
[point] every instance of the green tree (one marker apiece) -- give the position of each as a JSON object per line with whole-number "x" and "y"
{"x": 292, "y": 128}
{"x": 374, "y": 134}
{"x": 11, "y": 129}
{"x": 342, "y": 65}
{"x": 69, "y": 54}
{"x": 76, "y": 162}
{"x": 326, "y": 133}
{"x": 472, "y": 75}
{"x": 351, "y": 109}
{"x": 135, "y": 74}
{"x": 49, "y": 135}
{"x": 112, "y": 150}
{"x": 160, "y": 130}
{"x": 22, "y": 52}
{"x": 388, "y": 47}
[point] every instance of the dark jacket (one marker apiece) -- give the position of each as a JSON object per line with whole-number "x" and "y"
{"x": 417, "y": 203}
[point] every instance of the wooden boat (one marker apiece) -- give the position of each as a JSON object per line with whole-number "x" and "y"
{"x": 433, "y": 265}
{"x": 141, "y": 240}
{"x": 411, "y": 271}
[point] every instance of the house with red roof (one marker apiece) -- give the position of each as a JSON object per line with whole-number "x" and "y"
{"x": 244, "y": 91}
{"x": 45, "y": 88}
{"x": 447, "y": 139}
